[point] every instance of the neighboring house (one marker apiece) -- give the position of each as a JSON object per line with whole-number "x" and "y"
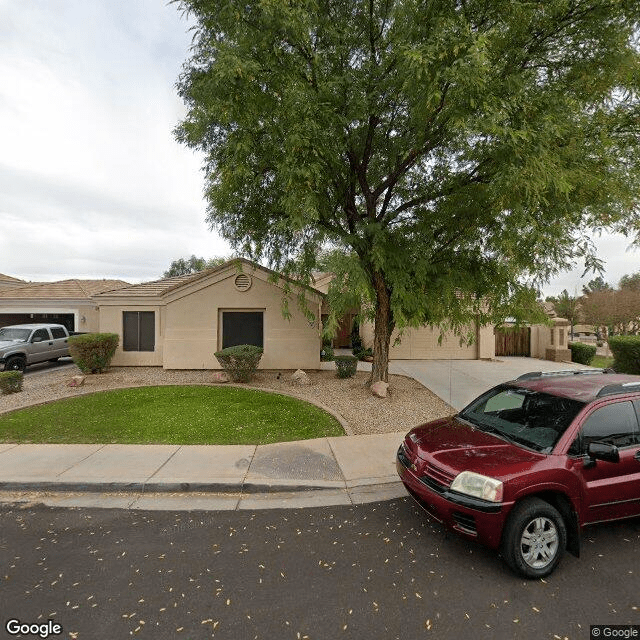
{"x": 9, "y": 281}
{"x": 180, "y": 322}
{"x": 67, "y": 302}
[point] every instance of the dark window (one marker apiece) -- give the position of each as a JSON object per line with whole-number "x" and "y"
{"x": 242, "y": 327}
{"x": 614, "y": 423}
{"x": 139, "y": 330}
{"x": 43, "y": 334}
{"x": 58, "y": 332}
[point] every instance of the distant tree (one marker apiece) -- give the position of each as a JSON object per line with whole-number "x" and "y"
{"x": 185, "y": 266}
{"x": 568, "y": 307}
{"x": 630, "y": 281}
{"x": 459, "y": 151}
{"x": 597, "y": 284}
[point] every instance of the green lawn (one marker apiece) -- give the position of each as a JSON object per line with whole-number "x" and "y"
{"x": 171, "y": 415}
{"x": 602, "y": 362}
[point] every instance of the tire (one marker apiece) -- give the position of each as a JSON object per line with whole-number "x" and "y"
{"x": 535, "y": 538}
{"x": 16, "y": 363}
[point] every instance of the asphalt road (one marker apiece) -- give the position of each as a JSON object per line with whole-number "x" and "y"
{"x": 376, "y": 571}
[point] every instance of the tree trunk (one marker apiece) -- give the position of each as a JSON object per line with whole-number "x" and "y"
{"x": 383, "y": 329}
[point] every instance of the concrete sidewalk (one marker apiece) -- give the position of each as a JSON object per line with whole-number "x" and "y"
{"x": 341, "y": 470}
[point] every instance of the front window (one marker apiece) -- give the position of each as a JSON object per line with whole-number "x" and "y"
{"x": 139, "y": 331}
{"x": 242, "y": 327}
{"x": 14, "y": 333}
{"x": 530, "y": 418}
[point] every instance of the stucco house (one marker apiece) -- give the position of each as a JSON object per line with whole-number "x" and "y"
{"x": 67, "y": 302}
{"x": 180, "y": 322}
{"x": 421, "y": 343}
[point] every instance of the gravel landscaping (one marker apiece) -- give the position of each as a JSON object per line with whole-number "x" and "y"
{"x": 408, "y": 404}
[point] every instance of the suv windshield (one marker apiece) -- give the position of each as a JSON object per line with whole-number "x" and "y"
{"x": 533, "y": 419}
{"x": 14, "y": 333}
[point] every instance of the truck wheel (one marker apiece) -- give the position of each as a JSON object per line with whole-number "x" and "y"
{"x": 17, "y": 363}
{"x": 535, "y": 538}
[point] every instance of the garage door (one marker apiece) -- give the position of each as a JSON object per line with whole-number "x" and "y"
{"x": 67, "y": 319}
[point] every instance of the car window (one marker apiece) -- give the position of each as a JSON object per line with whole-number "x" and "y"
{"x": 533, "y": 419}
{"x": 614, "y": 423}
{"x": 58, "y": 332}
{"x": 40, "y": 333}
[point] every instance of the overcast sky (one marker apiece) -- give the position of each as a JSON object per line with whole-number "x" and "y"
{"x": 92, "y": 183}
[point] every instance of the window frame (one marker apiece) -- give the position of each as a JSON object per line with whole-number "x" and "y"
{"x": 126, "y": 345}
{"x": 221, "y": 332}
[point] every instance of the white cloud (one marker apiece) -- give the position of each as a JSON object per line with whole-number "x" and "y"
{"x": 92, "y": 182}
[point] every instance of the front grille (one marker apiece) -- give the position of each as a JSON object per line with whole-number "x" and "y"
{"x": 465, "y": 522}
{"x": 435, "y": 476}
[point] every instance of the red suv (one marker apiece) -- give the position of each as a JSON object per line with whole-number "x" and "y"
{"x": 530, "y": 462}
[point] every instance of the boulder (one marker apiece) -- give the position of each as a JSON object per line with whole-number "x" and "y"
{"x": 380, "y": 389}
{"x": 301, "y": 378}
{"x": 220, "y": 376}
{"x": 77, "y": 381}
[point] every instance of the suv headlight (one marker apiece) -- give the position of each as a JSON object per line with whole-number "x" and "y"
{"x": 478, "y": 486}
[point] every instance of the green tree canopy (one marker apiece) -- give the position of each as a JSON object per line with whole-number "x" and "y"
{"x": 193, "y": 264}
{"x": 630, "y": 281}
{"x": 459, "y": 151}
{"x": 597, "y": 284}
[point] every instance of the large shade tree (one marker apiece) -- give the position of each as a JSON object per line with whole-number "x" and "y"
{"x": 457, "y": 151}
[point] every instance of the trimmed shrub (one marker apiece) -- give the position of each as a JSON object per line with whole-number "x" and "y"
{"x": 93, "y": 352}
{"x": 346, "y": 366}
{"x": 240, "y": 361}
{"x": 11, "y": 382}
{"x": 626, "y": 353}
{"x": 582, "y": 353}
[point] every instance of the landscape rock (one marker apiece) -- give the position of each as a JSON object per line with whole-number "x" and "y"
{"x": 220, "y": 376}
{"x": 380, "y": 389}
{"x": 301, "y": 378}
{"x": 77, "y": 381}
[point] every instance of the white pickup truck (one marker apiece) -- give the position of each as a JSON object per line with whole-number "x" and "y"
{"x": 25, "y": 344}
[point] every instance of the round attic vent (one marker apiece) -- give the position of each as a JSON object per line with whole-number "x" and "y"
{"x": 243, "y": 282}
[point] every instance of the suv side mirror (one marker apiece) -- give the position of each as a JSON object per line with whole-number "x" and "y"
{"x": 603, "y": 451}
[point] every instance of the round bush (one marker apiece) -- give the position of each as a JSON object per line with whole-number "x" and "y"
{"x": 582, "y": 353}
{"x": 240, "y": 361}
{"x": 626, "y": 354}
{"x": 346, "y": 366}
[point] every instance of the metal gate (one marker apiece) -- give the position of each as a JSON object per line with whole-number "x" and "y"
{"x": 512, "y": 341}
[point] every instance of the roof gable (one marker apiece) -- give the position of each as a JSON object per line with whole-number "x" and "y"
{"x": 184, "y": 285}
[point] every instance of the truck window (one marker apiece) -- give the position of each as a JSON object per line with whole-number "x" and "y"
{"x": 58, "y": 332}
{"x": 43, "y": 334}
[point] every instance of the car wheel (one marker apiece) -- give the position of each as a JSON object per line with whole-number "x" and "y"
{"x": 15, "y": 364}
{"x": 535, "y": 538}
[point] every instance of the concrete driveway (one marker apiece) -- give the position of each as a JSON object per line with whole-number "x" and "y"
{"x": 458, "y": 382}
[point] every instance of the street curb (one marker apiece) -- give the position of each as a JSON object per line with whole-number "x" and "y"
{"x": 194, "y": 487}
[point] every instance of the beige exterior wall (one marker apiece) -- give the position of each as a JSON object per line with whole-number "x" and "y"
{"x": 189, "y": 325}
{"x": 111, "y": 321}
{"x": 422, "y": 344}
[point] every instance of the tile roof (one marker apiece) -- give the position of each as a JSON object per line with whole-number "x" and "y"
{"x": 6, "y": 278}
{"x": 63, "y": 289}
{"x": 160, "y": 287}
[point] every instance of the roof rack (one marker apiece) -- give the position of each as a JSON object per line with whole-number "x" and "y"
{"x": 625, "y": 387}
{"x": 568, "y": 372}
